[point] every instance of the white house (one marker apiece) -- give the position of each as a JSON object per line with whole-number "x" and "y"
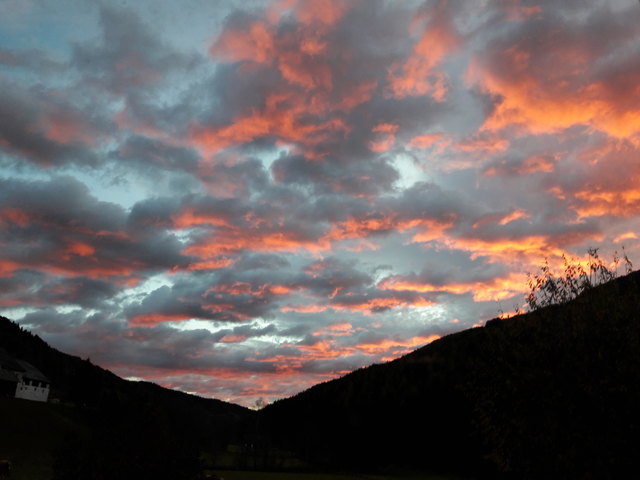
{"x": 33, "y": 385}
{"x": 22, "y": 380}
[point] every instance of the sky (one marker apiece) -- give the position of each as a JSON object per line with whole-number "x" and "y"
{"x": 244, "y": 199}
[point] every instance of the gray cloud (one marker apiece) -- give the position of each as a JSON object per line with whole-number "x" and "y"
{"x": 128, "y": 56}
{"x": 23, "y": 129}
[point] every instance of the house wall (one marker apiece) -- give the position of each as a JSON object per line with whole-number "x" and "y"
{"x": 32, "y": 390}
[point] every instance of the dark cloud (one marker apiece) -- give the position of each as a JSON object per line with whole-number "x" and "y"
{"x": 63, "y": 201}
{"x": 34, "y": 60}
{"x": 259, "y": 261}
{"x": 128, "y": 56}
{"x": 324, "y": 177}
{"x": 58, "y": 226}
{"x": 152, "y": 154}
{"x": 34, "y": 129}
{"x": 329, "y": 277}
{"x": 31, "y": 287}
{"x": 455, "y": 269}
{"x": 49, "y": 321}
{"x": 235, "y": 176}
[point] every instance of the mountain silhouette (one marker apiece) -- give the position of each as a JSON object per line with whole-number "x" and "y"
{"x": 554, "y": 393}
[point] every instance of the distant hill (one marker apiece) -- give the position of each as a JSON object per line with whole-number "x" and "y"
{"x": 550, "y": 394}
{"x": 103, "y": 422}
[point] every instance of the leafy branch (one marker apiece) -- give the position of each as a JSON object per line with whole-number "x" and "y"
{"x": 546, "y": 288}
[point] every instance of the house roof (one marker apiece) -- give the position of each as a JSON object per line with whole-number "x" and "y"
{"x": 32, "y": 372}
{"x": 10, "y": 365}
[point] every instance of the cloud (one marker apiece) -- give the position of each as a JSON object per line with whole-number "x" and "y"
{"x": 34, "y": 288}
{"x": 33, "y": 59}
{"x": 555, "y": 72}
{"x": 56, "y": 226}
{"x": 152, "y": 154}
{"x": 128, "y": 56}
{"x": 417, "y": 75}
{"x": 37, "y": 128}
{"x": 241, "y": 202}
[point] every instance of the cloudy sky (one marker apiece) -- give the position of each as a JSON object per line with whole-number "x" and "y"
{"x": 243, "y": 199}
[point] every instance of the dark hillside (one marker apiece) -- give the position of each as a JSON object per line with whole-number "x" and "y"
{"x": 121, "y": 429}
{"x": 82, "y": 383}
{"x": 549, "y": 394}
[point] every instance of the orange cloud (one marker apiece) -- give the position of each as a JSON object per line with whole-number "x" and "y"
{"x": 417, "y": 75}
{"x": 233, "y": 339}
{"x": 430, "y": 230}
{"x": 152, "y": 319}
{"x": 384, "y": 349}
{"x": 546, "y": 93}
{"x": 254, "y": 43}
{"x": 235, "y": 239}
{"x": 625, "y": 236}
{"x": 482, "y": 291}
{"x": 310, "y": 75}
{"x": 229, "y": 310}
{"x": 7, "y": 267}
{"x": 15, "y": 216}
{"x": 246, "y": 288}
{"x": 189, "y": 217}
{"x": 594, "y": 203}
{"x": 81, "y": 249}
{"x": 483, "y": 142}
{"x": 91, "y": 267}
{"x": 304, "y": 308}
{"x": 210, "y": 264}
{"x": 501, "y": 218}
{"x": 68, "y": 130}
{"x": 283, "y": 117}
{"x": 515, "y": 215}
{"x": 386, "y": 137}
{"x": 427, "y": 141}
{"x": 371, "y": 305}
{"x": 392, "y": 349}
{"x": 337, "y": 329}
{"x": 355, "y": 95}
{"x": 228, "y": 238}
{"x": 530, "y": 250}
{"x": 363, "y": 227}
